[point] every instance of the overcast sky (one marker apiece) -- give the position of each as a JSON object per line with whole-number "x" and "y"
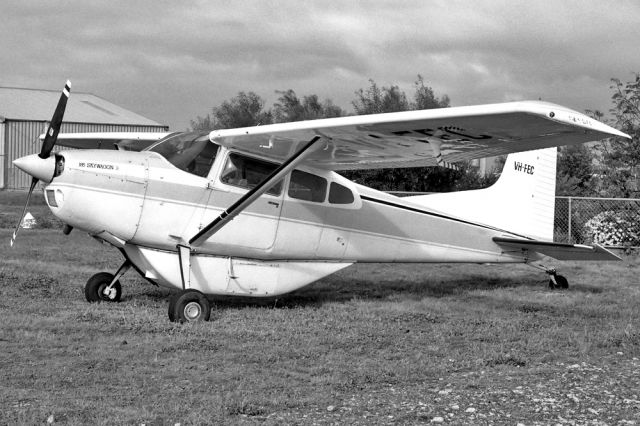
{"x": 173, "y": 60}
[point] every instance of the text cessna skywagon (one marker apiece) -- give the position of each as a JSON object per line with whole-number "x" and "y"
{"x": 261, "y": 211}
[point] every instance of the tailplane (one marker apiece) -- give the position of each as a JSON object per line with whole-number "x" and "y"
{"x": 522, "y": 201}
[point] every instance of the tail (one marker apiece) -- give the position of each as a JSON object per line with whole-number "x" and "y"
{"x": 522, "y": 201}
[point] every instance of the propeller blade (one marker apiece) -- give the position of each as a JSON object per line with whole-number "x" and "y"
{"x": 49, "y": 142}
{"x": 51, "y": 136}
{"x": 34, "y": 181}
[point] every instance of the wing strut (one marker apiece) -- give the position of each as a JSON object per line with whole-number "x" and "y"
{"x": 227, "y": 215}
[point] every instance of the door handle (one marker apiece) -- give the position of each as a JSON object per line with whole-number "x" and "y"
{"x": 273, "y": 203}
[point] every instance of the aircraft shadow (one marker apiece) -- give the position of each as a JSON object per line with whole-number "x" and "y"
{"x": 336, "y": 290}
{"x": 344, "y": 289}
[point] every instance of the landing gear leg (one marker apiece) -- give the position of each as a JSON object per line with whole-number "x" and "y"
{"x": 555, "y": 281}
{"x": 105, "y": 287}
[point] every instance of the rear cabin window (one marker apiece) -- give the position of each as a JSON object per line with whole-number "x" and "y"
{"x": 247, "y": 172}
{"x": 190, "y": 152}
{"x": 340, "y": 194}
{"x": 308, "y": 187}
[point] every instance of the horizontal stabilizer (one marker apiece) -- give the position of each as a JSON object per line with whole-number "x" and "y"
{"x": 559, "y": 251}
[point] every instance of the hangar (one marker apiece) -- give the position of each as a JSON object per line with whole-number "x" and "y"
{"x": 25, "y": 113}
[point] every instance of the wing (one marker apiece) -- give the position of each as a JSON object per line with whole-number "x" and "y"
{"x": 420, "y": 138}
{"x": 558, "y": 250}
{"x": 131, "y": 141}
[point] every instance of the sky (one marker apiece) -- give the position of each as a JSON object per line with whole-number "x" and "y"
{"x": 172, "y": 61}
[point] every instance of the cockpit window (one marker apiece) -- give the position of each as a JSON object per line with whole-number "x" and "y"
{"x": 247, "y": 172}
{"x": 192, "y": 152}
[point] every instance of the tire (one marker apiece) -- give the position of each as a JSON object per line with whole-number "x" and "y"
{"x": 172, "y": 306}
{"x": 190, "y": 306}
{"x": 562, "y": 282}
{"x": 94, "y": 289}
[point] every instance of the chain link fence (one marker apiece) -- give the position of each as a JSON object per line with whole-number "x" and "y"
{"x": 611, "y": 222}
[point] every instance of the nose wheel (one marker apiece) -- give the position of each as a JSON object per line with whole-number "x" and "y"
{"x": 105, "y": 287}
{"x": 102, "y": 288}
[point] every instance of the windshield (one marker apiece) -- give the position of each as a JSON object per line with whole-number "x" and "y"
{"x": 192, "y": 152}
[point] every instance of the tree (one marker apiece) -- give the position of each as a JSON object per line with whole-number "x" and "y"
{"x": 290, "y": 108}
{"x": 374, "y": 100}
{"x": 424, "y": 97}
{"x": 244, "y": 110}
{"x": 620, "y": 155}
{"x": 203, "y": 123}
{"x": 575, "y": 171}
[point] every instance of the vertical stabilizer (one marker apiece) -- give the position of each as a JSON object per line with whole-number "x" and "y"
{"x": 522, "y": 201}
{"x": 528, "y": 187}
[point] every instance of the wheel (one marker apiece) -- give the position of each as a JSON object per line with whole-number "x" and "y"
{"x": 562, "y": 282}
{"x": 189, "y": 306}
{"x": 558, "y": 281}
{"x": 172, "y": 306}
{"x": 97, "y": 288}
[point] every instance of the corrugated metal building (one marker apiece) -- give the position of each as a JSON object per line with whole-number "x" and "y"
{"x": 25, "y": 114}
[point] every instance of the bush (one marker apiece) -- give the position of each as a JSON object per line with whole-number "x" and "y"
{"x": 613, "y": 228}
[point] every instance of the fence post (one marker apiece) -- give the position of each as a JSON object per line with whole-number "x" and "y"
{"x": 569, "y": 222}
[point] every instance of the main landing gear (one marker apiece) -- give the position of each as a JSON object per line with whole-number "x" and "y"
{"x": 185, "y": 306}
{"x": 189, "y": 306}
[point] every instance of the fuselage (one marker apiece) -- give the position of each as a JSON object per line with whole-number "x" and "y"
{"x": 147, "y": 206}
{"x": 142, "y": 199}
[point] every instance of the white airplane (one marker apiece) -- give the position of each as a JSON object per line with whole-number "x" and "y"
{"x": 260, "y": 211}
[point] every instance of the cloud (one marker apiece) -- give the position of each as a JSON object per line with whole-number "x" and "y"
{"x": 172, "y": 61}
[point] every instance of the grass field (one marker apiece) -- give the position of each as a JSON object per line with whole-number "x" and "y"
{"x": 373, "y": 344}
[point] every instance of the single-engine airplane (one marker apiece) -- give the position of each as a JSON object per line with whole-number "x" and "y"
{"x": 261, "y": 211}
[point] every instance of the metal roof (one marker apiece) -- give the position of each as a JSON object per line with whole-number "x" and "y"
{"x": 38, "y": 105}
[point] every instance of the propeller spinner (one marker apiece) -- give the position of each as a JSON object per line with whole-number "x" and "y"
{"x": 41, "y": 166}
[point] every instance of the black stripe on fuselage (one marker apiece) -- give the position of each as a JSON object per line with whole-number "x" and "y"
{"x": 434, "y": 214}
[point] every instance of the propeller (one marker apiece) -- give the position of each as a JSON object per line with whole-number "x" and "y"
{"x": 37, "y": 169}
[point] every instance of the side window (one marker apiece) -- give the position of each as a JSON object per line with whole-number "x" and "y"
{"x": 340, "y": 194}
{"x": 247, "y": 172}
{"x": 308, "y": 187}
